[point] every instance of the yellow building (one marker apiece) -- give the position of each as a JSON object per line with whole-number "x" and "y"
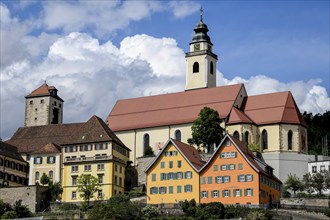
{"x": 13, "y": 168}
{"x": 173, "y": 175}
{"x": 94, "y": 150}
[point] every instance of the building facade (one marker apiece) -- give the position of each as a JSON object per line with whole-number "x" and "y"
{"x": 173, "y": 175}
{"x": 13, "y": 168}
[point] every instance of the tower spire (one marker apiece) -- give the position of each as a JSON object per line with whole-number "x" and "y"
{"x": 201, "y": 14}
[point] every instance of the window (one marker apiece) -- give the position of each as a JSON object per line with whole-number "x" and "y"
{"x": 1, "y": 162}
{"x": 74, "y": 168}
{"x": 233, "y": 154}
{"x": 204, "y": 194}
{"x": 178, "y": 135}
{"x": 51, "y": 174}
{"x": 100, "y": 166}
{"x": 223, "y": 167}
{"x": 178, "y": 189}
{"x": 218, "y": 179}
{"x": 290, "y": 140}
{"x": 215, "y": 194}
{"x": 248, "y": 192}
{"x": 153, "y": 177}
{"x": 209, "y": 179}
{"x": 170, "y": 164}
{"x": 196, "y": 67}
{"x": 38, "y": 160}
{"x": 223, "y": 155}
{"x": 74, "y": 180}
{"x": 162, "y": 165}
{"x": 179, "y": 163}
{"x": 236, "y": 135}
{"x": 232, "y": 166}
{"x": 88, "y": 168}
{"x": 37, "y": 175}
{"x": 42, "y": 101}
{"x": 264, "y": 140}
{"x": 240, "y": 166}
{"x": 179, "y": 175}
{"x": 238, "y": 192}
{"x": 73, "y": 148}
{"x": 246, "y": 137}
{"x": 120, "y": 169}
{"x": 203, "y": 180}
{"x": 36, "y": 109}
{"x": 322, "y": 168}
{"x": 146, "y": 142}
{"x": 225, "y": 193}
{"x": 97, "y": 146}
{"x": 104, "y": 146}
{"x": 99, "y": 194}
{"x": 314, "y": 169}
{"x": 162, "y": 190}
{"x": 60, "y": 105}
{"x": 153, "y": 190}
{"x": 170, "y": 189}
{"x": 215, "y": 167}
{"x": 188, "y": 188}
{"x": 226, "y": 179}
{"x": 249, "y": 178}
{"x": 100, "y": 179}
{"x": 163, "y": 176}
{"x": 170, "y": 176}
{"x": 74, "y": 195}
{"x": 31, "y": 102}
{"x": 51, "y": 159}
{"x": 188, "y": 175}
{"x": 211, "y": 67}
{"x": 241, "y": 178}
{"x": 55, "y": 103}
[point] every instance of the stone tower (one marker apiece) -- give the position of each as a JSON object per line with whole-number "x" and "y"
{"x": 201, "y": 61}
{"x": 43, "y": 107}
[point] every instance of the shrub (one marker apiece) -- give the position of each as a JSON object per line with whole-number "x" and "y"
{"x": 236, "y": 211}
{"x": 302, "y": 195}
{"x": 286, "y": 194}
{"x": 136, "y": 193}
{"x": 9, "y": 215}
{"x": 327, "y": 212}
{"x": 256, "y": 215}
{"x": 149, "y": 212}
{"x": 68, "y": 206}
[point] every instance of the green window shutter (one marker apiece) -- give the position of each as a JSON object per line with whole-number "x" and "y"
{"x": 235, "y": 154}
{"x": 251, "y": 177}
{"x": 234, "y": 166}
{"x": 251, "y": 192}
{"x": 245, "y": 192}
{"x": 201, "y": 195}
{"x": 207, "y": 194}
{"x": 223, "y": 193}
{"x": 209, "y": 179}
{"x": 215, "y": 167}
{"x": 170, "y": 189}
{"x": 240, "y": 166}
{"x": 178, "y": 189}
{"x": 228, "y": 167}
{"x": 229, "y": 179}
{"x": 240, "y": 192}
{"x": 238, "y": 176}
{"x": 153, "y": 177}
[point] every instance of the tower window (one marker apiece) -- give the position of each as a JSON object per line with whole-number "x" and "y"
{"x": 31, "y": 102}
{"x": 42, "y": 101}
{"x": 264, "y": 141}
{"x": 178, "y": 135}
{"x": 290, "y": 140}
{"x": 196, "y": 67}
{"x": 146, "y": 141}
{"x": 211, "y": 67}
{"x": 36, "y": 109}
{"x": 35, "y": 119}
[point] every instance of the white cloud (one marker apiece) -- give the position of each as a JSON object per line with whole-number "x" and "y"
{"x": 183, "y": 9}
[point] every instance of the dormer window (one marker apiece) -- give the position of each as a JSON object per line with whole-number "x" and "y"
{"x": 196, "y": 67}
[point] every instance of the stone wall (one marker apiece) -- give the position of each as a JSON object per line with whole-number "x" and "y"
{"x": 34, "y": 197}
{"x": 305, "y": 203}
{"x": 142, "y": 164}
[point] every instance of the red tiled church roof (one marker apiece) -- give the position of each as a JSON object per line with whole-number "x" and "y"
{"x": 43, "y": 90}
{"x": 170, "y": 109}
{"x": 236, "y": 116}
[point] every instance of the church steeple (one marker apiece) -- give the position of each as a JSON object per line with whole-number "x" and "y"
{"x": 201, "y": 61}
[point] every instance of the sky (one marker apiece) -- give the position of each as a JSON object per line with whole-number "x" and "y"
{"x": 96, "y": 52}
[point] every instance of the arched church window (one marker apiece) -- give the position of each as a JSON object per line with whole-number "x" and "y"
{"x": 264, "y": 139}
{"x": 37, "y": 175}
{"x": 290, "y": 140}
{"x": 211, "y": 67}
{"x": 178, "y": 135}
{"x": 146, "y": 141}
{"x": 51, "y": 174}
{"x": 236, "y": 135}
{"x": 196, "y": 67}
{"x": 246, "y": 136}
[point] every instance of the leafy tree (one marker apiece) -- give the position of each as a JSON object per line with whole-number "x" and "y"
{"x": 326, "y": 175}
{"x": 189, "y": 207}
{"x": 44, "y": 179}
{"x": 294, "y": 183}
{"x": 55, "y": 189}
{"x": 308, "y": 182}
{"x": 87, "y": 186}
{"x": 254, "y": 147}
{"x": 206, "y": 129}
{"x": 257, "y": 215}
{"x": 118, "y": 199}
{"x": 100, "y": 211}
{"x": 148, "y": 152}
{"x": 149, "y": 212}
{"x": 318, "y": 182}
{"x": 4, "y": 207}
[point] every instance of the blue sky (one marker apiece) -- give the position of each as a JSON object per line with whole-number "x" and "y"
{"x": 268, "y": 45}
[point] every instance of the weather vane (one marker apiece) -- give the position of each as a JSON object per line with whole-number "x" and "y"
{"x": 201, "y": 13}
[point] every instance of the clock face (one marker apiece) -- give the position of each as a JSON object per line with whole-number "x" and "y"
{"x": 197, "y": 46}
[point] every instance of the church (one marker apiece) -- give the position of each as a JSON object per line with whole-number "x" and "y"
{"x": 271, "y": 122}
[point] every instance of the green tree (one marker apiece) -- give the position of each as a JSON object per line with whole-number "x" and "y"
{"x": 294, "y": 183}
{"x": 87, "y": 186}
{"x": 44, "y": 179}
{"x": 326, "y": 175}
{"x": 9, "y": 215}
{"x": 308, "y": 183}
{"x": 22, "y": 211}
{"x": 206, "y": 129}
{"x": 318, "y": 182}
{"x": 149, "y": 212}
{"x": 55, "y": 190}
{"x": 148, "y": 152}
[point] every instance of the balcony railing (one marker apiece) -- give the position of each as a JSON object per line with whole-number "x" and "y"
{"x": 83, "y": 159}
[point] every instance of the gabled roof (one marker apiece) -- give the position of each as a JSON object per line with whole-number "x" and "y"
{"x": 278, "y": 107}
{"x": 94, "y": 130}
{"x": 49, "y": 148}
{"x": 9, "y": 150}
{"x": 170, "y": 109}
{"x": 236, "y": 116}
{"x": 190, "y": 154}
{"x": 44, "y": 90}
{"x": 31, "y": 139}
{"x": 246, "y": 153}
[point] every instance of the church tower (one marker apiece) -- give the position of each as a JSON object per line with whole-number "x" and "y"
{"x": 43, "y": 107}
{"x": 201, "y": 61}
